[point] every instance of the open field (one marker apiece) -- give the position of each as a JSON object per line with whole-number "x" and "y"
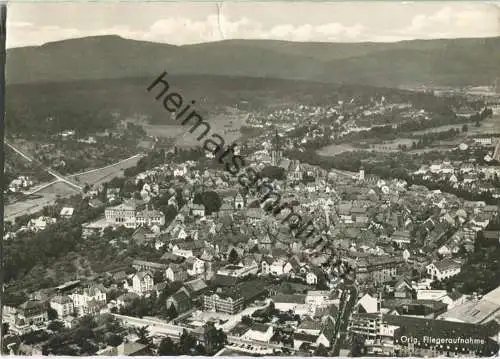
{"x": 166, "y": 131}
{"x": 35, "y": 203}
{"x": 333, "y": 150}
{"x": 489, "y": 125}
{"x": 227, "y": 125}
{"x": 391, "y": 146}
{"x": 104, "y": 174}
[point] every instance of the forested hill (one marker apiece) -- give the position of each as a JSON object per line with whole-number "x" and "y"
{"x": 440, "y": 62}
{"x": 44, "y": 109}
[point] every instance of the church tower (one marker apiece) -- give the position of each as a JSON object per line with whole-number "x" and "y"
{"x": 276, "y": 152}
{"x": 361, "y": 176}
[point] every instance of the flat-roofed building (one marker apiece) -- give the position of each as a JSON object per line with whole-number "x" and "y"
{"x": 476, "y": 311}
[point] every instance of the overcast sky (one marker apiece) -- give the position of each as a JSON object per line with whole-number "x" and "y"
{"x": 187, "y": 23}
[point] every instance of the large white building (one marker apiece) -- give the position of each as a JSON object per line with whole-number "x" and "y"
{"x": 259, "y": 332}
{"x": 127, "y": 215}
{"x": 443, "y": 269}
{"x": 122, "y": 215}
{"x": 63, "y": 305}
{"x": 142, "y": 283}
{"x": 89, "y": 301}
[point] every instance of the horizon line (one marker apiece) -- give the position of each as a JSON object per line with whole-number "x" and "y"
{"x": 254, "y": 39}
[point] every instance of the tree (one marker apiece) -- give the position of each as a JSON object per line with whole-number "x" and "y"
{"x": 321, "y": 351}
{"x": 210, "y": 199}
{"x": 143, "y": 334}
{"x": 170, "y": 213}
{"x": 287, "y": 288}
{"x": 358, "y": 346}
{"x": 246, "y": 320}
{"x": 172, "y": 312}
{"x": 233, "y": 257}
{"x": 273, "y": 172}
{"x": 56, "y": 326}
{"x": 214, "y": 339}
{"x": 271, "y": 308}
{"x": 199, "y": 349}
{"x": 221, "y": 339}
{"x": 158, "y": 277}
{"x": 167, "y": 347}
{"x": 52, "y": 314}
{"x": 5, "y": 328}
{"x": 465, "y": 128}
{"x": 114, "y": 340}
{"x": 186, "y": 342}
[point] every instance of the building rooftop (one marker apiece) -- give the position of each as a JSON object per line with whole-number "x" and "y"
{"x": 480, "y": 311}
{"x": 289, "y": 298}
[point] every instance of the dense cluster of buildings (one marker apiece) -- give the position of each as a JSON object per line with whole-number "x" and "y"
{"x": 246, "y": 270}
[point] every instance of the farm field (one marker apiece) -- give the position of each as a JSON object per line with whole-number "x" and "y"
{"x": 391, "y": 146}
{"x": 227, "y": 125}
{"x": 104, "y": 174}
{"x": 333, "y": 150}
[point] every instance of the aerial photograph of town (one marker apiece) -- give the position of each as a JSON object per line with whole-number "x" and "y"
{"x": 251, "y": 179}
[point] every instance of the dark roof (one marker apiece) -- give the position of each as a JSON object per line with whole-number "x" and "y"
{"x": 252, "y": 288}
{"x": 259, "y": 327}
{"x": 333, "y": 310}
{"x": 289, "y": 298}
{"x": 61, "y": 299}
{"x": 180, "y": 297}
{"x": 30, "y": 304}
{"x": 191, "y": 245}
{"x": 196, "y": 286}
{"x": 225, "y": 281}
{"x": 120, "y": 275}
{"x": 305, "y": 337}
{"x": 247, "y": 290}
{"x": 446, "y": 264}
{"x": 328, "y": 329}
{"x": 310, "y": 325}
